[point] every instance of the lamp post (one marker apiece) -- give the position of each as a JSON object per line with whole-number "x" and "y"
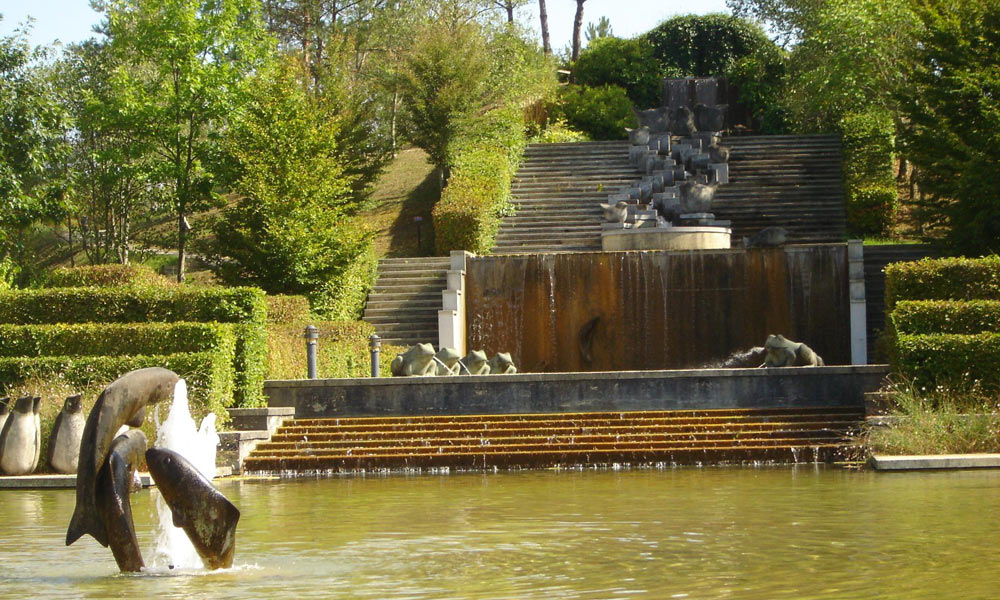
{"x": 312, "y": 335}
{"x": 375, "y": 344}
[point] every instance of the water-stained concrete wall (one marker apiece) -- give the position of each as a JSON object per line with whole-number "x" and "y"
{"x": 625, "y": 311}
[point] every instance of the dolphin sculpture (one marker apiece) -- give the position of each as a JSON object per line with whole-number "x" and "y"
{"x": 206, "y": 516}
{"x": 123, "y": 402}
{"x": 114, "y": 487}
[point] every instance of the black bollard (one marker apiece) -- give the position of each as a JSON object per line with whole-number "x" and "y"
{"x": 375, "y": 344}
{"x": 312, "y": 335}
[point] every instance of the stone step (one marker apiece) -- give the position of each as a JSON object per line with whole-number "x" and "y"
{"x": 429, "y": 302}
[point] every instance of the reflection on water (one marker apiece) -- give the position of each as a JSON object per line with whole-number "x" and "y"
{"x": 683, "y": 533}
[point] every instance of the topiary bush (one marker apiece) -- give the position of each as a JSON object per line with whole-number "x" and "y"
{"x": 943, "y": 279}
{"x": 628, "y": 64}
{"x": 113, "y": 339}
{"x": 950, "y": 361}
{"x": 705, "y": 45}
{"x": 601, "y": 112}
{"x": 104, "y": 275}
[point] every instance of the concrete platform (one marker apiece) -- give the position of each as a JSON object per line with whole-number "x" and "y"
{"x": 51, "y": 481}
{"x": 937, "y": 461}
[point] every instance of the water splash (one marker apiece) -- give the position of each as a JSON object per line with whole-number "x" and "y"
{"x": 173, "y": 549}
{"x": 752, "y": 357}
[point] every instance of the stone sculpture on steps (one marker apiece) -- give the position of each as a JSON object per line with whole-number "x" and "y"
{"x": 616, "y": 213}
{"x": 782, "y": 352}
{"x": 501, "y": 364}
{"x": 417, "y": 361}
{"x": 656, "y": 120}
{"x": 64, "y": 441}
{"x": 638, "y": 136}
{"x": 718, "y": 154}
{"x": 696, "y": 197}
{"x": 19, "y": 440}
{"x": 710, "y": 118}
{"x": 476, "y": 363}
{"x": 683, "y": 123}
{"x": 447, "y": 363}
{"x": 769, "y": 237}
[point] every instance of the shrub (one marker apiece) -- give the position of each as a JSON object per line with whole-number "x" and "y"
{"x": 558, "y": 132}
{"x": 245, "y": 308}
{"x": 602, "y": 112}
{"x": 629, "y": 64}
{"x": 208, "y": 374}
{"x": 943, "y": 279}
{"x": 868, "y": 140}
{"x": 343, "y": 297}
{"x": 113, "y": 339}
{"x": 944, "y": 316}
{"x": 104, "y": 276}
{"x": 483, "y": 161}
{"x": 705, "y": 45}
{"x": 283, "y": 308}
{"x": 951, "y": 361}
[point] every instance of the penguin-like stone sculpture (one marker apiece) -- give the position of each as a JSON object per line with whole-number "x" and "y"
{"x": 18, "y": 440}
{"x": 64, "y": 443}
{"x": 36, "y": 405}
{"x": 4, "y": 411}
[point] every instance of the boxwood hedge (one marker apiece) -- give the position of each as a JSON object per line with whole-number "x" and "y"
{"x": 945, "y": 316}
{"x": 953, "y": 361}
{"x": 943, "y": 279}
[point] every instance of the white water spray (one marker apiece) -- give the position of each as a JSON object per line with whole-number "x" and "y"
{"x": 178, "y": 433}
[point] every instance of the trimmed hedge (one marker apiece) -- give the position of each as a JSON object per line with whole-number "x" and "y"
{"x": 113, "y": 339}
{"x": 209, "y": 375}
{"x": 104, "y": 276}
{"x": 950, "y": 361}
{"x": 482, "y": 159}
{"x": 342, "y": 351}
{"x": 245, "y": 308}
{"x": 943, "y": 279}
{"x": 870, "y": 185}
{"x": 929, "y": 317}
{"x": 287, "y": 308}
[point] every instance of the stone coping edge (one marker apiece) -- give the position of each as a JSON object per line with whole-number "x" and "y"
{"x": 581, "y": 376}
{"x": 269, "y": 411}
{"x": 51, "y": 481}
{"x": 935, "y": 461}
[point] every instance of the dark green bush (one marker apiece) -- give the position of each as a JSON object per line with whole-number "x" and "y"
{"x": 602, "y": 112}
{"x": 245, "y": 308}
{"x": 113, "y": 339}
{"x": 209, "y": 375}
{"x": 943, "y": 279}
{"x": 705, "y": 45}
{"x": 104, "y": 275}
{"x": 483, "y": 160}
{"x": 946, "y": 316}
{"x": 760, "y": 79}
{"x": 283, "y": 308}
{"x": 629, "y": 64}
{"x": 951, "y": 361}
{"x": 872, "y": 199}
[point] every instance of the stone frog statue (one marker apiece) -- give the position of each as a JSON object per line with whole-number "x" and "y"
{"x": 476, "y": 363}
{"x": 683, "y": 122}
{"x": 769, "y": 237}
{"x": 654, "y": 120}
{"x": 447, "y": 363}
{"x": 639, "y": 136}
{"x": 502, "y": 364}
{"x": 786, "y": 353}
{"x": 418, "y": 360}
{"x": 710, "y": 118}
{"x": 615, "y": 213}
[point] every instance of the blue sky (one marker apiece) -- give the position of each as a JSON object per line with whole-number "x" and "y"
{"x": 73, "y": 20}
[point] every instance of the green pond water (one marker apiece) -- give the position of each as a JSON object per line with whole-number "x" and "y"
{"x": 775, "y": 532}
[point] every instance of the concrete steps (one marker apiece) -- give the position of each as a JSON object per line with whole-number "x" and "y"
{"x": 405, "y": 299}
{"x": 793, "y": 182}
{"x": 556, "y": 439}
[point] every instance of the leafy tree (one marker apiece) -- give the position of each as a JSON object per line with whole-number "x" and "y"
{"x": 32, "y": 129}
{"x": 952, "y": 105}
{"x": 788, "y": 19}
{"x": 706, "y": 45}
{"x": 181, "y": 62}
{"x": 601, "y": 112}
{"x": 289, "y": 230}
{"x": 626, "y": 63}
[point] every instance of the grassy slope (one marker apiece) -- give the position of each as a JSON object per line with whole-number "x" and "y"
{"x": 408, "y": 188}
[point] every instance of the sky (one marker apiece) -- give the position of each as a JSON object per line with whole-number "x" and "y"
{"x": 73, "y": 20}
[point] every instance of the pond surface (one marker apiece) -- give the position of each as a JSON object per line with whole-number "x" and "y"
{"x": 765, "y": 533}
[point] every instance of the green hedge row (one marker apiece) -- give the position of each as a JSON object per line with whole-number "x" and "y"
{"x": 952, "y": 361}
{"x": 342, "y": 351}
{"x": 113, "y": 339}
{"x": 287, "y": 308}
{"x": 244, "y": 308}
{"x": 482, "y": 160}
{"x": 943, "y": 279}
{"x": 104, "y": 275}
{"x": 209, "y": 375}
{"x": 945, "y": 316}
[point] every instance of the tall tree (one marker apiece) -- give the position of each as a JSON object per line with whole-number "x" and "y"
{"x": 601, "y": 29}
{"x": 32, "y": 128}
{"x": 543, "y": 16}
{"x": 181, "y": 65}
{"x": 577, "y": 29}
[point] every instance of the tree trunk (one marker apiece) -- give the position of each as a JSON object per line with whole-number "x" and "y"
{"x": 510, "y": 11}
{"x": 392, "y": 120}
{"x": 181, "y": 239}
{"x": 577, "y": 28}
{"x": 544, "y": 17}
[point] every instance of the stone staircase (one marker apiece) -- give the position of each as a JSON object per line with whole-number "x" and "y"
{"x": 403, "y": 306}
{"x": 556, "y": 193}
{"x": 250, "y": 427}
{"x": 786, "y": 181}
{"x": 514, "y": 441}
{"x": 793, "y": 182}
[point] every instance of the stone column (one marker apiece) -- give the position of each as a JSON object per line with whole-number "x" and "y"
{"x": 859, "y": 321}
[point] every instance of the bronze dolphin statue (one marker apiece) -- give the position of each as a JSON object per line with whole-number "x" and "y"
{"x": 207, "y": 517}
{"x": 121, "y": 403}
{"x": 114, "y": 487}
